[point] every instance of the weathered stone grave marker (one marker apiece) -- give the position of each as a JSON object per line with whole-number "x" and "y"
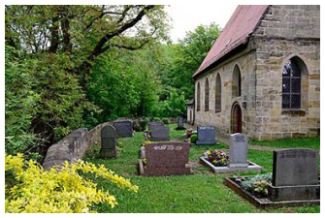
{"x": 238, "y": 145}
{"x": 124, "y": 128}
{"x": 108, "y": 142}
{"x": 165, "y": 159}
{"x": 295, "y": 167}
{"x": 295, "y": 175}
{"x": 206, "y": 135}
{"x": 153, "y": 124}
{"x": 159, "y": 133}
{"x": 180, "y": 123}
{"x": 238, "y": 149}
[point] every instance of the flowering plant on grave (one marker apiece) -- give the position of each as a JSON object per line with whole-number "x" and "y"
{"x": 189, "y": 133}
{"x": 258, "y": 184}
{"x": 217, "y": 157}
{"x": 144, "y": 161}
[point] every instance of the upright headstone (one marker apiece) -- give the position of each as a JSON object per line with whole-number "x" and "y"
{"x": 124, "y": 128}
{"x": 295, "y": 176}
{"x": 206, "y": 135}
{"x": 295, "y": 167}
{"x": 167, "y": 158}
{"x": 238, "y": 145}
{"x": 154, "y": 124}
{"x": 159, "y": 133}
{"x": 108, "y": 142}
{"x": 180, "y": 123}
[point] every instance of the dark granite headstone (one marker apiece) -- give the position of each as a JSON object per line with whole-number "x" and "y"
{"x": 124, "y": 128}
{"x": 108, "y": 142}
{"x": 180, "y": 123}
{"x": 295, "y": 167}
{"x": 206, "y": 135}
{"x": 159, "y": 133}
{"x": 154, "y": 124}
{"x": 167, "y": 158}
{"x": 238, "y": 145}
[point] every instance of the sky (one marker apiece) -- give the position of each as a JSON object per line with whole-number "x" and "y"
{"x": 186, "y": 17}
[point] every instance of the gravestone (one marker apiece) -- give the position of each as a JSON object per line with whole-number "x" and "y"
{"x": 108, "y": 142}
{"x": 166, "y": 158}
{"x": 159, "y": 133}
{"x": 238, "y": 162}
{"x": 206, "y": 135}
{"x": 295, "y": 175}
{"x": 155, "y": 123}
{"x": 238, "y": 145}
{"x": 180, "y": 123}
{"x": 295, "y": 167}
{"x": 124, "y": 128}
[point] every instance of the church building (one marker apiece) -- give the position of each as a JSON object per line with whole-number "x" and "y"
{"x": 262, "y": 75}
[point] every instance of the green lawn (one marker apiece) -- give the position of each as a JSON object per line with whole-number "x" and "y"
{"x": 202, "y": 192}
{"x": 313, "y": 143}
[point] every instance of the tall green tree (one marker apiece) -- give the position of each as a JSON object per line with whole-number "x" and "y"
{"x": 125, "y": 83}
{"x": 187, "y": 55}
{"x": 58, "y": 45}
{"x": 20, "y": 100}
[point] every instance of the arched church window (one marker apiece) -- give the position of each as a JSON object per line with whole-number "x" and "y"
{"x": 236, "y": 82}
{"x": 218, "y": 95}
{"x": 291, "y": 85}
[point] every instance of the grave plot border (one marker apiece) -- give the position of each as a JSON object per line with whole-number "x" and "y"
{"x": 265, "y": 203}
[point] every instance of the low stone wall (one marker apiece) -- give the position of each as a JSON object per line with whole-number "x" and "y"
{"x": 73, "y": 147}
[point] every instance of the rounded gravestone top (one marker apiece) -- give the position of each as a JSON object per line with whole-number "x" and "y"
{"x": 108, "y": 132}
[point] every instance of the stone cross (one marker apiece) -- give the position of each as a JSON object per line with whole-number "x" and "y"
{"x": 108, "y": 142}
{"x": 206, "y": 135}
{"x": 124, "y": 128}
{"x": 295, "y": 167}
{"x": 238, "y": 145}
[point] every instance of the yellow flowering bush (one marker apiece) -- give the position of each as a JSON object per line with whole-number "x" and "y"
{"x": 30, "y": 189}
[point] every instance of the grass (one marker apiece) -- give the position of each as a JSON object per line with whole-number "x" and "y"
{"x": 312, "y": 143}
{"x": 202, "y": 192}
{"x": 175, "y": 133}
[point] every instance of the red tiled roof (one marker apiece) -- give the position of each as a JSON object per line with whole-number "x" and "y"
{"x": 236, "y": 32}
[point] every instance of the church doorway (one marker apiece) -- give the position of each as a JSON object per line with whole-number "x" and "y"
{"x": 236, "y": 118}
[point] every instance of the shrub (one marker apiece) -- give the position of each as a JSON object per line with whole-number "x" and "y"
{"x": 136, "y": 126}
{"x": 30, "y": 189}
{"x": 143, "y": 123}
{"x": 194, "y": 138}
{"x": 156, "y": 119}
{"x": 165, "y": 120}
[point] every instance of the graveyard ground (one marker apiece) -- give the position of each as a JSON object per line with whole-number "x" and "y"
{"x": 202, "y": 192}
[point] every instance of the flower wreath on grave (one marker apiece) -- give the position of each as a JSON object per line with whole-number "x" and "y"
{"x": 217, "y": 157}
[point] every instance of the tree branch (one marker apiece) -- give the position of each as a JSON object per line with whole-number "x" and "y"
{"x": 107, "y": 37}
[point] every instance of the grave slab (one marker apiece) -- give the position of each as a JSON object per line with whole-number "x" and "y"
{"x": 206, "y": 135}
{"x": 124, "y": 128}
{"x": 108, "y": 142}
{"x": 180, "y": 123}
{"x": 159, "y": 133}
{"x": 165, "y": 159}
{"x": 295, "y": 175}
